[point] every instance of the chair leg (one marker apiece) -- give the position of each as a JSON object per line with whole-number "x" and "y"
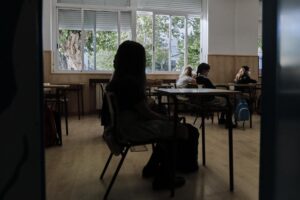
{"x": 106, "y": 165}
{"x": 66, "y": 115}
{"x": 116, "y": 173}
{"x": 195, "y": 119}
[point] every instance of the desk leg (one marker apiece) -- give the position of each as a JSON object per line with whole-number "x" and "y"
{"x": 229, "y": 122}
{"x": 203, "y": 139}
{"x": 78, "y": 103}
{"x": 66, "y": 114}
{"x": 251, "y": 119}
{"x": 82, "y": 104}
{"x": 175, "y": 115}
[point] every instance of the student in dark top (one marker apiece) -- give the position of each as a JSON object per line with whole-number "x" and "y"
{"x": 137, "y": 121}
{"x": 243, "y": 76}
{"x": 202, "y": 79}
{"x": 202, "y": 73}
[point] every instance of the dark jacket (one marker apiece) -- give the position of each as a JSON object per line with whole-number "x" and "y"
{"x": 203, "y": 80}
{"x": 245, "y": 79}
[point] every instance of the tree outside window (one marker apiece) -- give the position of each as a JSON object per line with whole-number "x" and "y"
{"x": 92, "y": 45}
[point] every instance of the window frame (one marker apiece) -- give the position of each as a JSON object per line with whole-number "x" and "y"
{"x": 133, "y": 10}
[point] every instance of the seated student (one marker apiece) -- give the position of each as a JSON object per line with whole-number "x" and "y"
{"x": 137, "y": 121}
{"x": 202, "y": 73}
{"x": 186, "y": 78}
{"x": 243, "y": 76}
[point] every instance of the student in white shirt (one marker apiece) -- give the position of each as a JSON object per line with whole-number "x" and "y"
{"x": 186, "y": 78}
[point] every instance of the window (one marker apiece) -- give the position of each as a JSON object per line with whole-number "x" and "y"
{"x": 69, "y": 49}
{"x": 104, "y": 39}
{"x": 193, "y": 41}
{"x": 90, "y": 44}
{"x": 88, "y": 33}
{"x": 162, "y": 43}
{"x": 144, "y": 35}
{"x": 175, "y": 43}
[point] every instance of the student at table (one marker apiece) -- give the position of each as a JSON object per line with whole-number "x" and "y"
{"x": 137, "y": 121}
{"x": 202, "y": 79}
{"x": 186, "y": 78}
{"x": 243, "y": 76}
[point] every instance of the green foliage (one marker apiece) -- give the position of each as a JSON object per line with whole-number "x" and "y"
{"x": 107, "y": 42}
{"x": 144, "y": 35}
{"x": 259, "y": 43}
{"x": 64, "y": 38}
{"x": 194, "y": 42}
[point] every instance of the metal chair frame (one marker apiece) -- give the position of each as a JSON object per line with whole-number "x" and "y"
{"x": 124, "y": 145}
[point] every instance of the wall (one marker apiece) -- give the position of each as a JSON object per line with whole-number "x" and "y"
{"x": 221, "y": 20}
{"x": 224, "y": 67}
{"x": 246, "y": 27}
{"x": 47, "y": 24}
{"x": 233, "y": 34}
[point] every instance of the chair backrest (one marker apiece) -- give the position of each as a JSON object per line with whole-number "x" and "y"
{"x": 111, "y": 132}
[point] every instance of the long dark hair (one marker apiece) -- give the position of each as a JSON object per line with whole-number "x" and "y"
{"x": 130, "y": 63}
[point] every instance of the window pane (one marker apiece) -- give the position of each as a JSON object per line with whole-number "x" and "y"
{"x": 177, "y": 42}
{"x": 194, "y": 41}
{"x": 89, "y": 43}
{"x": 69, "y": 51}
{"x": 162, "y": 23}
{"x": 144, "y": 35}
{"x": 125, "y": 26}
{"x": 106, "y": 39}
{"x": 97, "y": 2}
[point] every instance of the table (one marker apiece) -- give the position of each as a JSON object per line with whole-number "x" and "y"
{"x": 249, "y": 89}
{"x": 173, "y": 92}
{"x": 78, "y": 88}
{"x": 60, "y": 90}
{"x": 99, "y": 85}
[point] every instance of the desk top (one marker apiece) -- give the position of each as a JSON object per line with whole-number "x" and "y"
{"x": 238, "y": 84}
{"x": 195, "y": 91}
{"x": 47, "y": 85}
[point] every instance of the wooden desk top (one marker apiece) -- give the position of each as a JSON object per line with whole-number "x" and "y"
{"x": 47, "y": 85}
{"x": 196, "y": 91}
{"x": 237, "y": 84}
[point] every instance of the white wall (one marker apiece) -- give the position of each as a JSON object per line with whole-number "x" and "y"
{"x": 47, "y": 25}
{"x": 246, "y": 27}
{"x": 221, "y": 20}
{"x": 233, "y": 27}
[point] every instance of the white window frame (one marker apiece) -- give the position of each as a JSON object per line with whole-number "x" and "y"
{"x": 133, "y": 9}
{"x": 172, "y": 14}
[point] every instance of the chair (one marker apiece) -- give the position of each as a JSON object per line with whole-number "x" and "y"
{"x": 190, "y": 107}
{"x": 60, "y": 101}
{"x": 116, "y": 145}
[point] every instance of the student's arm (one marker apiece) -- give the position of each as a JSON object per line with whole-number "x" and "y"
{"x": 247, "y": 79}
{"x": 210, "y": 84}
{"x": 143, "y": 109}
